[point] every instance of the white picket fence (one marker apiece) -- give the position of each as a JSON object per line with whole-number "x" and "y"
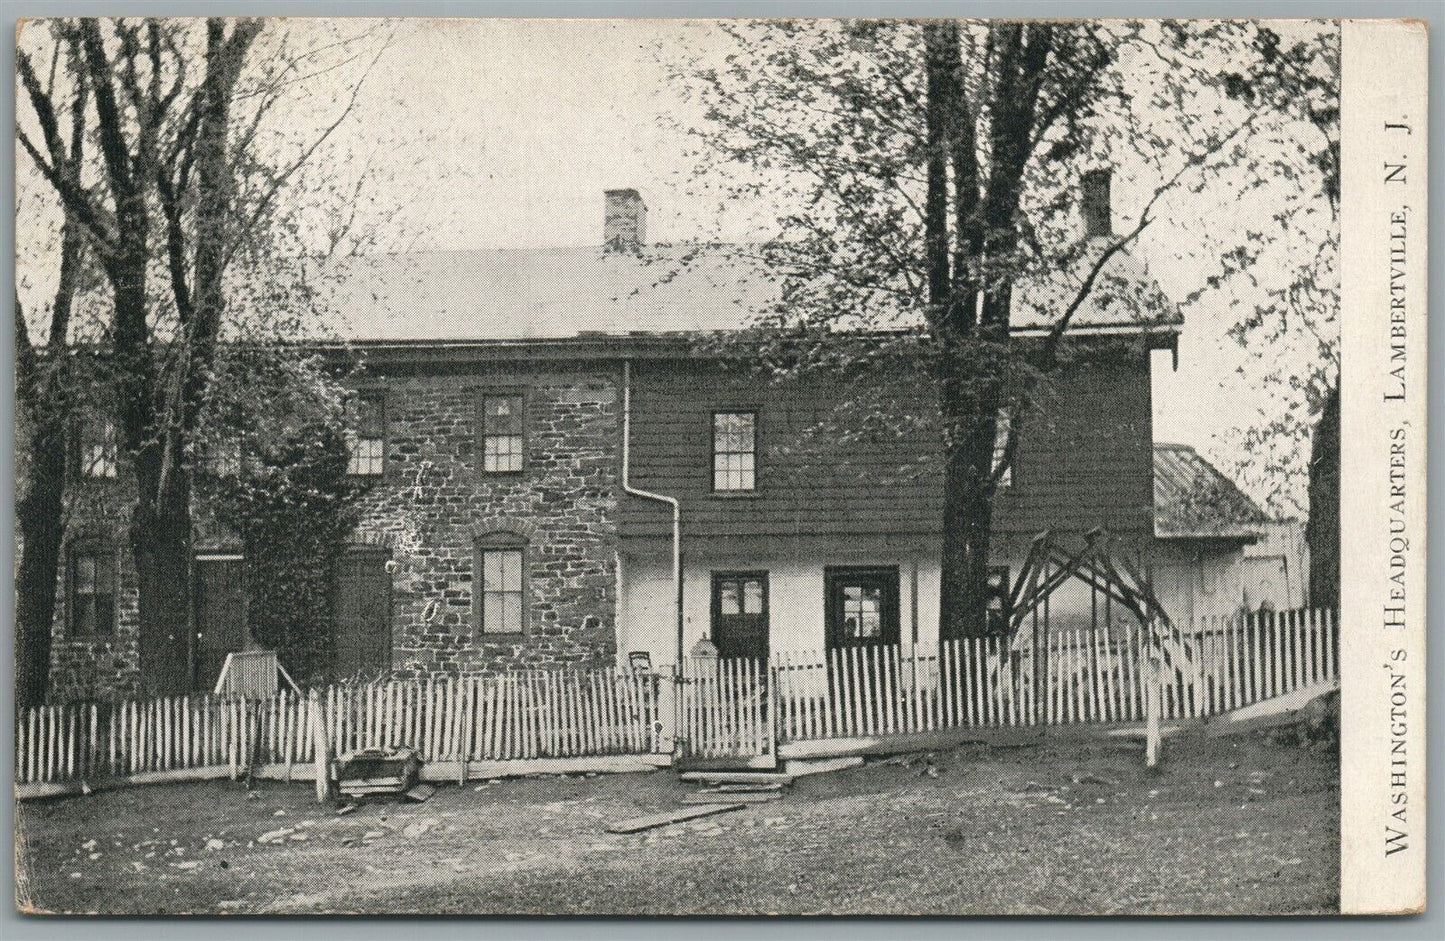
{"x": 521, "y": 715}
{"x": 1076, "y": 676}
{"x": 731, "y": 709}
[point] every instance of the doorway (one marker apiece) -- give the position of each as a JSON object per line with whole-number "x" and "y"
{"x": 740, "y": 614}
{"x": 220, "y": 605}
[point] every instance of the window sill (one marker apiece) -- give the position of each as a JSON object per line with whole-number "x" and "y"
{"x": 500, "y": 635}
{"x": 736, "y": 494}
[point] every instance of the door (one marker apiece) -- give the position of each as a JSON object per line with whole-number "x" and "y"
{"x": 740, "y": 614}
{"x": 861, "y": 616}
{"x": 724, "y": 717}
{"x": 363, "y": 613}
{"x": 220, "y": 617}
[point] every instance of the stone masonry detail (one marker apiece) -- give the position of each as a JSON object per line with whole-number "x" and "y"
{"x": 433, "y": 503}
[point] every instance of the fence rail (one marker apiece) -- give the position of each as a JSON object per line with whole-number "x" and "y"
{"x": 732, "y": 709}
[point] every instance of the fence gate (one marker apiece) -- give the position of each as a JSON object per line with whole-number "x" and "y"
{"x": 725, "y": 715}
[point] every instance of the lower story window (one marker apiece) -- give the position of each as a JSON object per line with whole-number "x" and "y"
{"x": 502, "y": 610}
{"x": 92, "y": 592}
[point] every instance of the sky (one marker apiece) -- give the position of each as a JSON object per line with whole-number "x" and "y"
{"x": 504, "y": 134}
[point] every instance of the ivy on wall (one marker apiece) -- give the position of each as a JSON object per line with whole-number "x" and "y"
{"x": 275, "y": 476}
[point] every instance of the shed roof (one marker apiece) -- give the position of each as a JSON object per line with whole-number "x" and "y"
{"x": 1193, "y": 500}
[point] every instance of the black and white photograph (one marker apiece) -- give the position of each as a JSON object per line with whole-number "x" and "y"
{"x": 702, "y": 467}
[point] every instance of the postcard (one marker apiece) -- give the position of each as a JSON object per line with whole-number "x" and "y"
{"x": 720, "y": 467}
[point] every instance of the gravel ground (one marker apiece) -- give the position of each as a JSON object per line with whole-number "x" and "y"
{"x": 1226, "y": 826}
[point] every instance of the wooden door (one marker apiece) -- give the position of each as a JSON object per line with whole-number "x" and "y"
{"x": 363, "y": 613}
{"x": 740, "y": 614}
{"x": 861, "y": 616}
{"x": 220, "y": 605}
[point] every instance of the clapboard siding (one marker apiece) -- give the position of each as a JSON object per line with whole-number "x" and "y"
{"x": 1086, "y": 462}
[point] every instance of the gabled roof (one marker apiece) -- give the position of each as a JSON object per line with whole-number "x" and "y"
{"x": 561, "y": 293}
{"x": 1193, "y": 500}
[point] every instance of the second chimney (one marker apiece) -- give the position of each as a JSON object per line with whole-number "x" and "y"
{"x": 1094, "y": 204}
{"x": 624, "y": 224}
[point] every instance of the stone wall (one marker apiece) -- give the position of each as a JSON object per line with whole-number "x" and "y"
{"x": 433, "y": 503}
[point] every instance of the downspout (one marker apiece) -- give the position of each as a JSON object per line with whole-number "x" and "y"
{"x": 649, "y": 495}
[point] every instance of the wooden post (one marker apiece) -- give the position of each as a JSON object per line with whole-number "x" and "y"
{"x": 323, "y": 749}
{"x": 1154, "y": 700}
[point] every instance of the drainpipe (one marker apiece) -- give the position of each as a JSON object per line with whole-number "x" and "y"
{"x": 649, "y": 495}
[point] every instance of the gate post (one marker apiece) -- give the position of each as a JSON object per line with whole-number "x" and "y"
{"x": 665, "y": 724}
{"x": 773, "y": 719}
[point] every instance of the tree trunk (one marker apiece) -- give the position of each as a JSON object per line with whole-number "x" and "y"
{"x": 161, "y": 547}
{"x": 160, "y": 527}
{"x": 40, "y": 522}
{"x": 44, "y": 397}
{"x": 1322, "y": 531}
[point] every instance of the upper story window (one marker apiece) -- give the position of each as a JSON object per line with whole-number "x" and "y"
{"x": 734, "y": 451}
{"x": 503, "y": 433}
{"x": 1000, "y": 444}
{"x": 367, "y": 438}
{"x": 92, "y": 591}
{"x": 501, "y": 589}
{"x": 98, "y": 450}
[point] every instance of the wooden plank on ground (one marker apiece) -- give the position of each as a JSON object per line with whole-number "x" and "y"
{"x": 746, "y": 797}
{"x": 638, "y": 824}
{"x": 736, "y": 777}
{"x": 745, "y": 788}
{"x": 596, "y": 764}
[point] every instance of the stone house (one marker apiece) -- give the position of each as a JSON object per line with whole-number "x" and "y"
{"x": 557, "y": 474}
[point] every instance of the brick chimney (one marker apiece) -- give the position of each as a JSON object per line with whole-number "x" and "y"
{"x": 1094, "y": 204}
{"x": 624, "y": 225}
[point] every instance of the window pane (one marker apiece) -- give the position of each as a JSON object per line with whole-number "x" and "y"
{"x": 368, "y": 456}
{"x": 104, "y": 574}
{"x": 85, "y": 574}
{"x": 502, "y": 414}
{"x": 105, "y": 614}
{"x": 502, "y": 453}
{"x": 744, "y": 434}
{"x": 511, "y": 570}
{"x": 370, "y": 416}
{"x": 752, "y": 596}
{"x": 492, "y": 612}
{"x": 728, "y": 597}
{"x": 512, "y": 612}
{"x": 491, "y": 571}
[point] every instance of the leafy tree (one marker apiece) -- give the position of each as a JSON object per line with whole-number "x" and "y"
{"x": 197, "y": 195}
{"x": 926, "y": 176}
